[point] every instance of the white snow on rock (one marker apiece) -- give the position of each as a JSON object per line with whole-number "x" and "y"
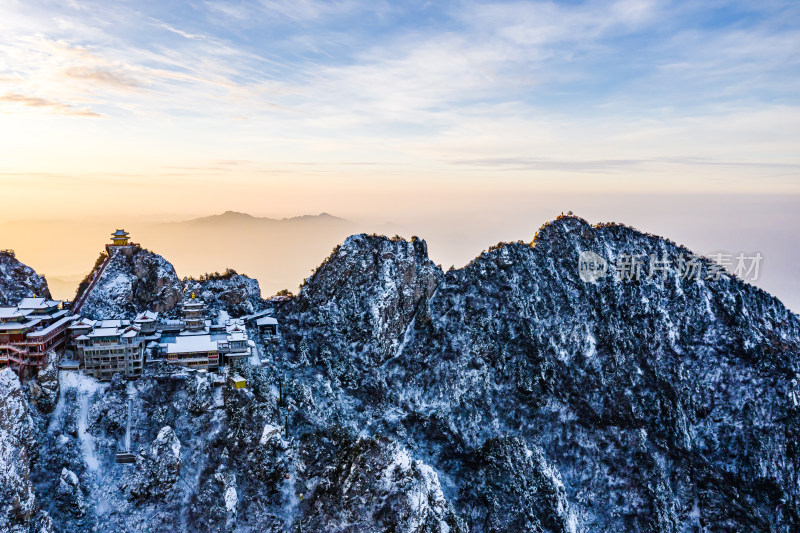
{"x": 231, "y": 499}
{"x": 270, "y": 432}
{"x": 424, "y": 497}
{"x": 133, "y": 280}
{"x": 17, "y": 444}
{"x": 167, "y": 434}
{"x": 85, "y": 387}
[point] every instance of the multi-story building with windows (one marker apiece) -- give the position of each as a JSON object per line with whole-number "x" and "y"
{"x": 28, "y": 331}
{"x": 235, "y": 344}
{"x": 215, "y": 346}
{"x": 111, "y": 347}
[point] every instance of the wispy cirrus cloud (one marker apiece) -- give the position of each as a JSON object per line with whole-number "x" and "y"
{"x": 49, "y": 106}
{"x": 103, "y": 76}
{"x": 299, "y": 10}
{"x": 184, "y": 34}
{"x": 293, "y": 10}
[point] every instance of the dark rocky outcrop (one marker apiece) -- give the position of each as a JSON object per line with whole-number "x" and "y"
{"x": 69, "y": 494}
{"x": 369, "y": 290}
{"x": 44, "y": 388}
{"x": 373, "y": 485}
{"x": 158, "y": 468}
{"x": 510, "y": 487}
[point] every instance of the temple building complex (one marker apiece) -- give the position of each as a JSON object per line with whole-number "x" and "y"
{"x": 28, "y": 331}
{"x": 205, "y": 345}
{"x": 105, "y": 347}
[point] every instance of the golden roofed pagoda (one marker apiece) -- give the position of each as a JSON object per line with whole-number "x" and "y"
{"x": 194, "y": 313}
{"x": 120, "y": 238}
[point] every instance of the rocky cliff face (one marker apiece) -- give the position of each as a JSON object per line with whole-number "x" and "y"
{"x": 369, "y": 290}
{"x": 234, "y": 293}
{"x": 18, "y": 281}
{"x": 660, "y": 404}
{"x": 510, "y": 395}
{"x": 43, "y": 388}
{"x": 131, "y": 281}
{"x": 20, "y": 510}
{"x": 371, "y": 485}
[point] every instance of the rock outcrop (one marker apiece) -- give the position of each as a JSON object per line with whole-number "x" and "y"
{"x": 515, "y": 489}
{"x": 44, "y": 387}
{"x": 231, "y": 292}
{"x": 369, "y": 290}
{"x": 158, "y": 468}
{"x": 69, "y": 493}
{"x": 18, "y": 281}
{"x": 132, "y": 280}
{"x": 372, "y": 485}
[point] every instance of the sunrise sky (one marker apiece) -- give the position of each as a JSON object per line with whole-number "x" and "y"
{"x": 403, "y": 111}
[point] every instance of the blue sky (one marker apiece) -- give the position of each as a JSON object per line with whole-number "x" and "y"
{"x": 431, "y": 73}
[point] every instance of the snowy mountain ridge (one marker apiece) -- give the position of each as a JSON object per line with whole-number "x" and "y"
{"x": 509, "y": 395}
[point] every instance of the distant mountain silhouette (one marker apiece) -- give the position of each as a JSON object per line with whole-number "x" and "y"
{"x": 233, "y": 217}
{"x": 276, "y": 251}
